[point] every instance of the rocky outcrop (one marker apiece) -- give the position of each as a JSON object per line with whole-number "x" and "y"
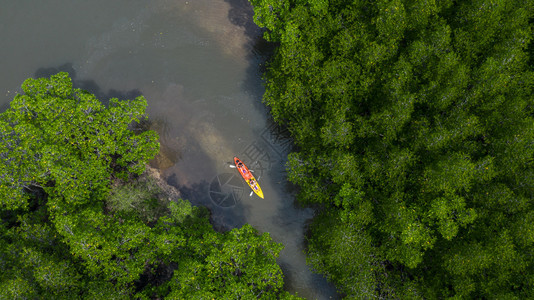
{"x": 169, "y": 191}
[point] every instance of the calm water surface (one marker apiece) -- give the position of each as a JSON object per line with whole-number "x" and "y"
{"x": 197, "y": 63}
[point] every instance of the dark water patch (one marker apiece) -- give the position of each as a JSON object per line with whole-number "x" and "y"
{"x": 4, "y": 107}
{"x": 226, "y": 189}
{"x": 241, "y": 14}
{"x": 222, "y": 218}
{"x": 47, "y": 72}
{"x": 87, "y": 85}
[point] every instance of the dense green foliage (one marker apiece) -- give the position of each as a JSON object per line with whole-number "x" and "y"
{"x": 70, "y": 229}
{"x": 415, "y": 124}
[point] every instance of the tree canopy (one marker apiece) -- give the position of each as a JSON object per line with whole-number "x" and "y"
{"x": 77, "y": 220}
{"x": 414, "y": 122}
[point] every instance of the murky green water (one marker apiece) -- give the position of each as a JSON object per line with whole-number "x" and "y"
{"x": 197, "y": 63}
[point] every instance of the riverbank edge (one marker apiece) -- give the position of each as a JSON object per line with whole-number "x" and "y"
{"x": 169, "y": 191}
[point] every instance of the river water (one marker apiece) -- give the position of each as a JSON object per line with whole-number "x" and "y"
{"x": 198, "y": 64}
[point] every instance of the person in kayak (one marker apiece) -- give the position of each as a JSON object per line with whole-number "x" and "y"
{"x": 240, "y": 166}
{"x": 253, "y": 183}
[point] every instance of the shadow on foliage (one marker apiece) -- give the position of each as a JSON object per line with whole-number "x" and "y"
{"x": 88, "y": 85}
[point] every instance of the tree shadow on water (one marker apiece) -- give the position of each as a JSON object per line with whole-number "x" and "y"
{"x": 222, "y": 218}
{"x": 87, "y": 85}
{"x": 241, "y": 14}
{"x": 4, "y": 107}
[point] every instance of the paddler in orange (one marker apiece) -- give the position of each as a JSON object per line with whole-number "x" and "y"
{"x": 240, "y": 166}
